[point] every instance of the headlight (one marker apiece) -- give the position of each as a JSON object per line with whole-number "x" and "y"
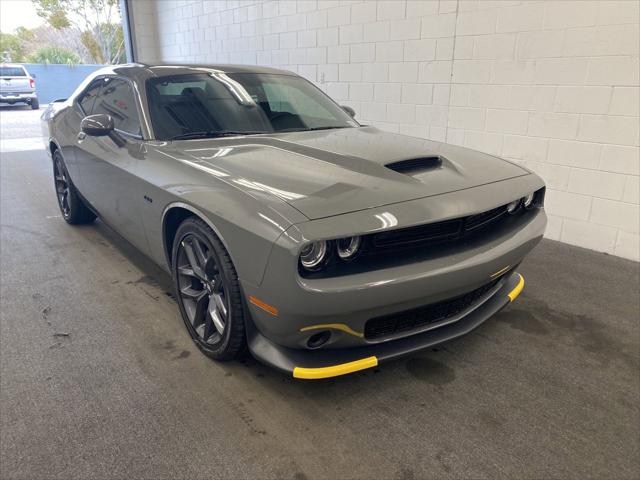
{"x": 528, "y": 200}
{"x": 313, "y": 255}
{"x": 348, "y": 247}
{"x": 513, "y": 206}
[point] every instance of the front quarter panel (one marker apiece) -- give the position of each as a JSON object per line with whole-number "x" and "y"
{"x": 60, "y": 126}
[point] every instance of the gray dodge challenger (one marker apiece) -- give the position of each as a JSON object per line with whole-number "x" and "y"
{"x": 321, "y": 245}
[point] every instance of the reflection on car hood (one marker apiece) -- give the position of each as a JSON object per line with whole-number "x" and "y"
{"x": 330, "y": 172}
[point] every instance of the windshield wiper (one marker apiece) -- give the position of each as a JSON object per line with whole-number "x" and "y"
{"x": 213, "y": 134}
{"x": 310, "y": 129}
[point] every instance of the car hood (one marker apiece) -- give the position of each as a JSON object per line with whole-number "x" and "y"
{"x": 330, "y": 172}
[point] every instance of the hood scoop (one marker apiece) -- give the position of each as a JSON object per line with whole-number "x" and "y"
{"x": 414, "y": 166}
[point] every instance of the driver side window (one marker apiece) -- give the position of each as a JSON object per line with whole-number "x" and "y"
{"x": 118, "y": 100}
{"x": 89, "y": 97}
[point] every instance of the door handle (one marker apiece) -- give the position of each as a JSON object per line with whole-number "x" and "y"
{"x": 82, "y": 136}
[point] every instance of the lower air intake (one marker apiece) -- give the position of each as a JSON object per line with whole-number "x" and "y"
{"x": 423, "y": 316}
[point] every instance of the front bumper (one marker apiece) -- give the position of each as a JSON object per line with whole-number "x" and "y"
{"x": 301, "y": 308}
{"x": 318, "y": 364}
{"x": 394, "y": 310}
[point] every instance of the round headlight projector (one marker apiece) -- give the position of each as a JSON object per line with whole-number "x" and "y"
{"x": 348, "y": 247}
{"x": 313, "y": 255}
{"x": 528, "y": 200}
{"x": 513, "y": 206}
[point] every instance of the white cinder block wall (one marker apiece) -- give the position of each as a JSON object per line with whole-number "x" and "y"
{"x": 553, "y": 85}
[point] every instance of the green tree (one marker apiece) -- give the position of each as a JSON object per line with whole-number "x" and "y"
{"x": 54, "y": 55}
{"x": 107, "y": 30}
{"x": 24, "y": 34}
{"x": 98, "y": 20}
{"x": 11, "y": 48}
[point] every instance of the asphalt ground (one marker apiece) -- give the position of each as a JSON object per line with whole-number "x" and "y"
{"x": 99, "y": 379}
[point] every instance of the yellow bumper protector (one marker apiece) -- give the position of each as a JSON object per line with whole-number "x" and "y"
{"x": 516, "y": 291}
{"x": 500, "y": 272}
{"x": 336, "y": 326}
{"x": 335, "y": 370}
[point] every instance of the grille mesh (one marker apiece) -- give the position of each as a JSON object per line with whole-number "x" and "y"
{"x": 423, "y": 316}
{"x": 422, "y": 233}
{"x": 438, "y": 231}
{"x": 484, "y": 218}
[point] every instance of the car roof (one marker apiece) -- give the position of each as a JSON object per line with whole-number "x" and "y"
{"x": 140, "y": 71}
{"x": 225, "y": 68}
{"x": 12, "y": 65}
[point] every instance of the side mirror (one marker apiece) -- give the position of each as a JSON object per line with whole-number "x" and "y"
{"x": 97, "y": 125}
{"x": 349, "y": 110}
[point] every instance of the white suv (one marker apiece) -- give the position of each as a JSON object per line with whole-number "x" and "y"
{"x": 17, "y": 85}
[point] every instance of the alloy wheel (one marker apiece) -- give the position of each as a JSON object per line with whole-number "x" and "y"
{"x": 201, "y": 289}
{"x": 62, "y": 188}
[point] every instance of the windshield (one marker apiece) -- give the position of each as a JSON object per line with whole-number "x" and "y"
{"x": 12, "y": 72}
{"x": 208, "y": 105}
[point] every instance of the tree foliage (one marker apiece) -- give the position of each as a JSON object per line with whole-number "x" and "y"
{"x": 15, "y": 46}
{"x": 24, "y": 44}
{"x": 67, "y": 38}
{"x": 11, "y": 48}
{"x": 97, "y": 20}
{"x": 55, "y": 55}
{"x": 106, "y": 30}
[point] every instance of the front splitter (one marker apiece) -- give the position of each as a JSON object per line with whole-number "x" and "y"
{"x": 318, "y": 364}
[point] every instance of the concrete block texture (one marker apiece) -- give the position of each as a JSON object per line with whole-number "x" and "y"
{"x": 552, "y": 85}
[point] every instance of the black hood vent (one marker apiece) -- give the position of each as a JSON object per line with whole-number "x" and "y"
{"x": 413, "y": 166}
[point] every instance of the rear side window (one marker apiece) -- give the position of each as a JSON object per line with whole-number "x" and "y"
{"x": 89, "y": 96}
{"x": 12, "y": 72}
{"x": 116, "y": 98}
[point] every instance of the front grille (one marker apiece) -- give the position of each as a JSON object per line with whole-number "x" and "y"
{"x": 484, "y": 218}
{"x": 430, "y": 232}
{"x": 403, "y": 246}
{"x": 437, "y": 232}
{"x": 423, "y": 316}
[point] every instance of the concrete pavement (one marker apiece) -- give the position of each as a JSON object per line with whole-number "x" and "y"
{"x": 99, "y": 379}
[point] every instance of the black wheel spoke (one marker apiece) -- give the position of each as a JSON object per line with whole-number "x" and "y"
{"x": 199, "y": 252}
{"x": 219, "y": 318}
{"x": 65, "y": 201}
{"x": 200, "y": 314}
{"x": 193, "y": 260}
{"x": 191, "y": 293}
{"x": 209, "y": 328}
{"x": 220, "y": 305}
{"x": 187, "y": 272}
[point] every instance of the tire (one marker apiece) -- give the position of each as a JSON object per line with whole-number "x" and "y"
{"x": 208, "y": 291}
{"x": 72, "y": 208}
{"x": 35, "y": 104}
